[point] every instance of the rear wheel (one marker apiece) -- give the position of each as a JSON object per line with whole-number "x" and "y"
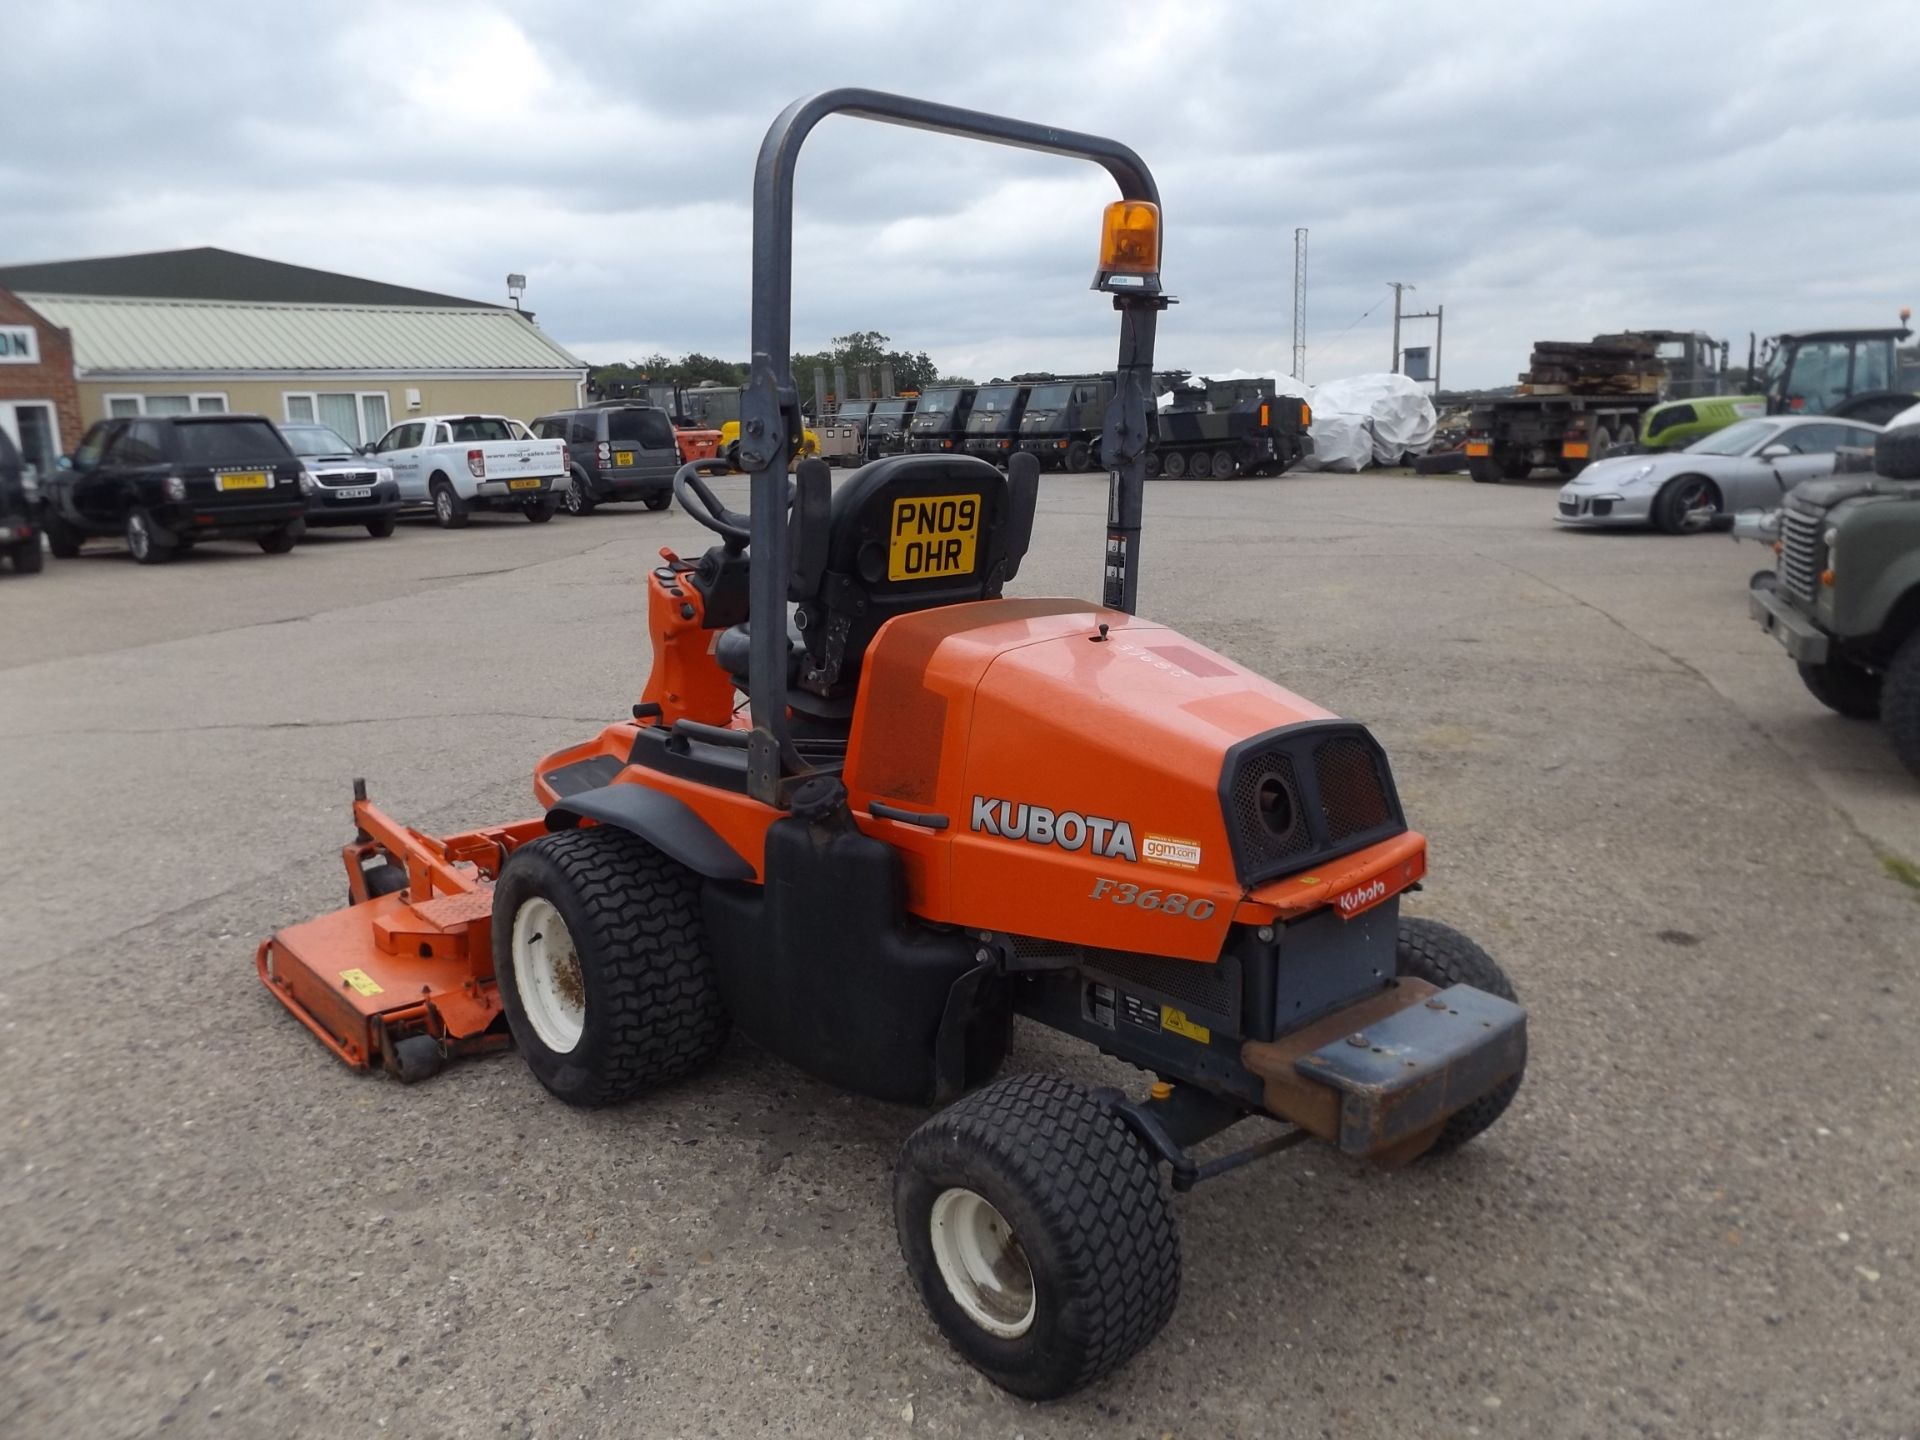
{"x": 448, "y": 508}
{"x": 1079, "y": 453}
{"x": 279, "y": 542}
{"x": 1844, "y": 689}
{"x": 1223, "y": 465}
{"x": 145, "y": 540}
{"x": 1039, "y": 1233}
{"x": 1484, "y": 469}
{"x": 1174, "y": 466}
{"x": 1900, "y": 703}
{"x": 382, "y": 528}
{"x": 62, "y": 538}
{"x": 28, "y": 557}
{"x": 602, "y": 963}
{"x": 1442, "y": 956}
{"x": 1687, "y": 505}
{"x": 578, "y": 496}
{"x": 1517, "y": 467}
{"x": 660, "y": 501}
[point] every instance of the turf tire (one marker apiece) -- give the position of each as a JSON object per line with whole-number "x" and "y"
{"x": 1844, "y": 689}
{"x": 1900, "y": 703}
{"x": 1088, "y": 1207}
{"x": 653, "y": 1010}
{"x": 1442, "y": 956}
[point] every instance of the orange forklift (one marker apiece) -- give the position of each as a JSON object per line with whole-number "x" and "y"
{"x": 938, "y": 809}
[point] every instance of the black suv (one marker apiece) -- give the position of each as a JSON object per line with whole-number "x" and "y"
{"x": 167, "y": 481}
{"x": 614, "y": 452}
{"x": 19, "y": 511}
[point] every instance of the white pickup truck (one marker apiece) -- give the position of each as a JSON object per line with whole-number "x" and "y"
{"x": 457, "y": 464}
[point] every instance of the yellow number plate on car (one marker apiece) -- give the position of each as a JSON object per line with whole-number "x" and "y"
{"x": 623, "y": 457}
{"x": 245, "y": 480}
{"x": 933, "y": 536}
{"x": 531, "y": 483}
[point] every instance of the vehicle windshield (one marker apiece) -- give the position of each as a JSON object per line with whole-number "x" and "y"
{"x": 889, "y": 409}
{"x": 934, "y": 407}
{"x": 1049, "y": 397}
{"x": 712, "y": 408}
{"x": 228, "y": 442}
{"x": 1737, "y": 439}
{"x": 315, "y": 440}
{"x": 640, "y": 427}
{"x": 992, "y": 408}
{"x": 478, "y": 429}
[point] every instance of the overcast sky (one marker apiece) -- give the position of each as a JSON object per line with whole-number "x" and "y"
{"x": 1592, "y": 167}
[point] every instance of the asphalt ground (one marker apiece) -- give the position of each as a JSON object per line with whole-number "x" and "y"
{"x": 1700, "y": 1218}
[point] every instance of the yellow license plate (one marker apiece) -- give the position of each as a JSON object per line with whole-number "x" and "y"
{"x": 246, "y": 480}
{"x": 1574, "y": 450}
{"x": 623, "y": 457}
{"x": 531, "y": 483}
{"x": 1476, "y": 447}
{"x": 933, "y": 536}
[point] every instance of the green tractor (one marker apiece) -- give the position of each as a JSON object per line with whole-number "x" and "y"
{"x": 1849, "y": 374}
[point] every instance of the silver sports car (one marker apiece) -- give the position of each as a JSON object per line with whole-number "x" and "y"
{"x": 1748, "y": 465}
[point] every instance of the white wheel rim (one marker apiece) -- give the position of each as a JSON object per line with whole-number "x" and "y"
{"x": 443, "y": 502}
{"x": 982, "y": 1264}
{"x": 546, "y": 970}
{"x": 138, "y": 539}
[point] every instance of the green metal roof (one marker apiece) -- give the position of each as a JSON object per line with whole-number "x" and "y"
{"x": 128, "y": 337}
{"x": 208, "y": 273}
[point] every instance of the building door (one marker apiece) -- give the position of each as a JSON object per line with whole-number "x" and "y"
{"x": 33, "y": 426}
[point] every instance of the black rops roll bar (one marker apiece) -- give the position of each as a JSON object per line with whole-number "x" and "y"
{"x": 770, "y": 408}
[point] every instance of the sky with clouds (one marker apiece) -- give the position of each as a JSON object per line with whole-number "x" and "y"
{"x": 1544, "y": 173}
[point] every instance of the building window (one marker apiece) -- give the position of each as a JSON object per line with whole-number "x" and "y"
{"x": 212, "y": 402}
{"x": 358, "y": 415}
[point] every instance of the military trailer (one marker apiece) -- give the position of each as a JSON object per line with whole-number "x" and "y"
{"x": 1217, "y": 429}
{"x": 1063, "y": 420}
{"x": 939, "y": 420}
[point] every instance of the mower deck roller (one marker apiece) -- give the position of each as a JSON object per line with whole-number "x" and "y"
{"x": 938, "y": 809}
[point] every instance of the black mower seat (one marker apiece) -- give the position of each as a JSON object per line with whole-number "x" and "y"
{"x": 910, "y": 532}
{"x": 735, "y": 645}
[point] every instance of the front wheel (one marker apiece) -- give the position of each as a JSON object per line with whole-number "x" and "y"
{"x": 1686, "y": 506}
{"x": 1442, "y": 956}
{"x": 1900, "y": 703}
{"x": 1844, "y": 689}
{"x": 1039, "y": 1233}
{"x": 382, "y": 528}
{"x": 1079, "y": 453}
{"x": 602, "y": 963}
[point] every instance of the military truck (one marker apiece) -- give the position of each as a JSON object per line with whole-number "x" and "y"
{"x": 1844, "y": 597}
{"x": 886, "y": 428}
{"x": 1582, "y": 400}
{"x": 993, "y": 424}
{"x": 1064, "y": 418}
{"x": 1217, "y": 429}
{"x": 939, "y": 420}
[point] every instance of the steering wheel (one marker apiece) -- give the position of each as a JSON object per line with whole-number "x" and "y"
{"x": 696, "y": 497}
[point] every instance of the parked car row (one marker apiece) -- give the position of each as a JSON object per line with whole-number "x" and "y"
{"x": 165, "y": 483}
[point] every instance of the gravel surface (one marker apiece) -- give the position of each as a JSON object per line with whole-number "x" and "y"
{"x": 1699, "y": 1219}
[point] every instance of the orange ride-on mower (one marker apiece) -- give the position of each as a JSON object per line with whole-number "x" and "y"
{"x": 942, "y": 809}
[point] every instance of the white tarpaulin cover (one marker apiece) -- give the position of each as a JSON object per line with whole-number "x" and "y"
{"x": 1395, "y": 411}
{"x": 1340, "y": 442}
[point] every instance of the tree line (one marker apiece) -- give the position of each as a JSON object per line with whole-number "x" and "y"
{"x": 862, "y": 350}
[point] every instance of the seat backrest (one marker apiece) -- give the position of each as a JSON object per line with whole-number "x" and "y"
{"x": 910, "y": 532}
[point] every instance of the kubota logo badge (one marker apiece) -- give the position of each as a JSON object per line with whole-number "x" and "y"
{"x": 1361, "y": 897}
{"x": 1068, "y": 829}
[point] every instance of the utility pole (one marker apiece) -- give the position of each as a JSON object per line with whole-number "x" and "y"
{"x": 1300, "y": 303}
{"x": 1398, "y": 286}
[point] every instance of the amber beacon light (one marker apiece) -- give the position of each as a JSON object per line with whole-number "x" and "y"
{"x": 1129, "y": 247}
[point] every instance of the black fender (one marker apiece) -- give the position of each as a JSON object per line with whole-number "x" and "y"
{"x": 668, "y": 824}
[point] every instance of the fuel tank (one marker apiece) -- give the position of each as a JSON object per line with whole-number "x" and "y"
{"x": 1077, "y": 774}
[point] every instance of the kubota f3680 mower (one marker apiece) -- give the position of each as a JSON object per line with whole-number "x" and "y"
{"x": 942, "y": 809}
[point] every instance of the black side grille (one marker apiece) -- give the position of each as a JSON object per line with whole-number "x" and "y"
{"x": 1207, "y": 987}
{"x": 1306, "y": 793}
{"x": 1353, "y": 797}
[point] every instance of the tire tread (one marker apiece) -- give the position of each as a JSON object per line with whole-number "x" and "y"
{"x": 1442, "y": 956}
